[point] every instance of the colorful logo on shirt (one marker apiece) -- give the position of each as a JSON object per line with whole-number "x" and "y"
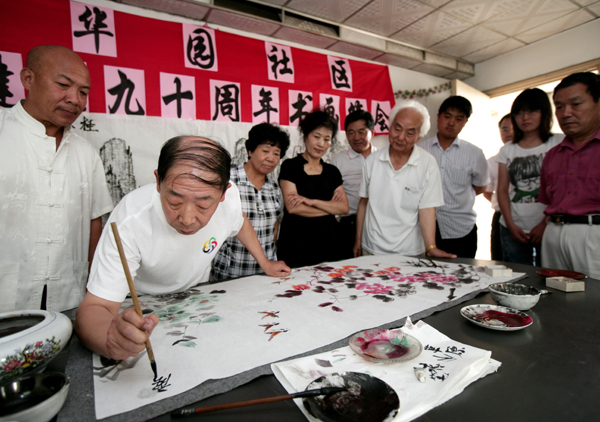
{"x": 210, "y": 245}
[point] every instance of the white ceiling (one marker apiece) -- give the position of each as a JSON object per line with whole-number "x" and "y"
{"x": 439, "y": 37}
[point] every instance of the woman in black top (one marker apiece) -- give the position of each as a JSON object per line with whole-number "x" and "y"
{"x": 313, "y": 196}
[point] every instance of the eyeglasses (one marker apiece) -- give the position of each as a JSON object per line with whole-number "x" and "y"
{"x": 527, "y": 113}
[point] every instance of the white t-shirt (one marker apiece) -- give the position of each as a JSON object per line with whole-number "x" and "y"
{"x": 395, "y": 197}
{"x": 493, "y": 185}
{"x": 48, "y": 198}
{"x": 350, "y": 164}
{"x": 524, "y": 168}
{"x": 160, "y": 259}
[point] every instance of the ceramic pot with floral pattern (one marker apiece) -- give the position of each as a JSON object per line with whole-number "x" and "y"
{"x": 29, "y": 340}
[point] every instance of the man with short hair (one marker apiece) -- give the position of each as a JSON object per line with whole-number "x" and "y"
{"x": 506, "y": 135}
{"x": 359, "y": 130}
{"x": 570, "y": 179}
{"x": 399, "y": 191}
{"x": 464, "y": 173}
{"x": 52, "y": 185}
{"x": 170, "y": 232}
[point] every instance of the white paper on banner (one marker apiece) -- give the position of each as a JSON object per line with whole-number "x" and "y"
{"x": 381, "y": 114}
{"x": 300, "y": 104}
{"x": 10, "y": 68}
{"x": 354, "y": 104}
{"x": 449, "y": 366}
{"x": 330, "y": 104}
{"x": 199, "y": 47}
{"x": 93, "y": 29}
{"x": 220, "y": 330}
{"x": 125, "y": 91}
{"x": 340, "y": 73}
{"x": 280, "y": 65}
{"x": 265, "y": 104}
{"x": 225, "y": 101}
{"x": 177, "y": 96}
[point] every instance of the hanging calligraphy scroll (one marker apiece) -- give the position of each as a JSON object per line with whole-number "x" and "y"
{"x": 147, "y": 67}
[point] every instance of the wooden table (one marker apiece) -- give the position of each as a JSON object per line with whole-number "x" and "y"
{"x": 548, "y": 370}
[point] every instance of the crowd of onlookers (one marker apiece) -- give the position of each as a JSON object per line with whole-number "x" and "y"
{"x": 206, "y": 220}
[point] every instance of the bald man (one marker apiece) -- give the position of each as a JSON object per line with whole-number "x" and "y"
{"x": 171, "y": 230}
{"x": 52, "y": 187}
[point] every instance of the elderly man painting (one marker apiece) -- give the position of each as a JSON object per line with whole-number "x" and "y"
{"x": 399, "y": 191}
{"x": 170, "y": 231}
{"x": 52, "y": 187}
{"x": 570, "y": 179}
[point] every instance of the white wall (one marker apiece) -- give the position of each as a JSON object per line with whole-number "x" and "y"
{"x": 572, "y": 47}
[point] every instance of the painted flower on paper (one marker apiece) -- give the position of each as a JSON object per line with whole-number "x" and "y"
{"x": 384, "y": 284}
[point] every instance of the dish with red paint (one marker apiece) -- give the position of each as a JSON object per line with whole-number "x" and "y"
{"x": 562, "y": 273}
{"x": 385, "y": 346}
{"x": 497, "y": 317}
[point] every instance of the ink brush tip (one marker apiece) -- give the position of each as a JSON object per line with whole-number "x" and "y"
{"x": 153, "y": 365}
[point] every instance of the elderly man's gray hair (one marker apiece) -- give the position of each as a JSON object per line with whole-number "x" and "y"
{"x": 419, "y": 108}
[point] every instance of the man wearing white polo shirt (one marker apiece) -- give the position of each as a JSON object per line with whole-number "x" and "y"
{"x": 399, "y": 191}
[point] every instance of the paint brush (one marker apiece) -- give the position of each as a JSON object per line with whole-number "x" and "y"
{"x": 136, "y": 302}
{"x": 310, "y": 393}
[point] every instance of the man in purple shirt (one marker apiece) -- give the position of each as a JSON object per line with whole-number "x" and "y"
{"x": 570, "y": 179}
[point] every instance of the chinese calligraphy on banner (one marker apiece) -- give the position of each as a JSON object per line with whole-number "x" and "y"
{"x": 147, "y": 67}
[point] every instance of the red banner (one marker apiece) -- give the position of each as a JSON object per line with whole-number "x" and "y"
{"x": 144, "y": 66}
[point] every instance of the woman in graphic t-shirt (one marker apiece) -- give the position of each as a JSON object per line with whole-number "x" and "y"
{"x": 519, "y": 166}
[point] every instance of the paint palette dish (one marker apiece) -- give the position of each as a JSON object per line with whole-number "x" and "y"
{"x": 385, "y": 346}
{"x": 562, "y": 273}
{"x": 366, "y": 398}
{"x": 495, "y": 317}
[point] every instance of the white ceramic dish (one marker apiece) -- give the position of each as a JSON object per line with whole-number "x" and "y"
{"x": 496, "y": 317}
{"x": 33, "y": 397}
{"x": 29, "y": 340}
{"x": 385, "y": 346}
{"x": 514, "y": 295}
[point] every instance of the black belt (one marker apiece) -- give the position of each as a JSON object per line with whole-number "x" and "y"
{"x": 349, "y": 219}
{"x": 574, "y": 219}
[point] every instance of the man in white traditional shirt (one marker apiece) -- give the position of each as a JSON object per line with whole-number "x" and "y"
{"x": 464, "y": 172}
{"x": 359, "y": 130}
{"x": 399, "y": 191}
{"x": 52, "y": 185}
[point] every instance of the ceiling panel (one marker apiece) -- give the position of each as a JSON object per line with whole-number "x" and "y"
{"x": 432, "y": 29}
{"x": 571, "y": 20}
{"x": 386, "y": 17}
{"x": 333, "y": 10}
{"x": 493, "y": 50}
{"x": 477, "y": 11}
{"x": 469, "y": 41}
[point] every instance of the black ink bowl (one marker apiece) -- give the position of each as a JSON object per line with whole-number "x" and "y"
{"x": 33, "y": 397}
{"x": 366, "y": 399}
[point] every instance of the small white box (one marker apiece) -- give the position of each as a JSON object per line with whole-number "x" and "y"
{"x": 565, "y": 284}
{"x": 498, "y": 270}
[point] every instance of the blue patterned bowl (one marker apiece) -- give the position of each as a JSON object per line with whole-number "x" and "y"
{"x": 29, "y": 340}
